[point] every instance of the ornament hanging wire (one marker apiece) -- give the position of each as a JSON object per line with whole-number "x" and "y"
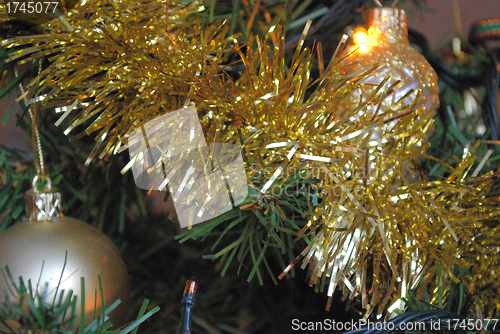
{"x": 37, "y": 144}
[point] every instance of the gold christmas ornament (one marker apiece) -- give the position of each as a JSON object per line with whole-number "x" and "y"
{"x": 363, "y": 250}
{"x": 36, "y": 249}
{"x": 385, "y": 42}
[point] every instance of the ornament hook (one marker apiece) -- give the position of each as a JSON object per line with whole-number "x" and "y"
{"x": 46, "y": 178}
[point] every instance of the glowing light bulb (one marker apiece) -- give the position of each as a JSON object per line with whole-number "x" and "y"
{"x": 365, "y": 41}
{"x": 360, "y": 35}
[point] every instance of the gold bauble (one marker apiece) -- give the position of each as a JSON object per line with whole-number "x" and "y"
{"x": 385, "y": 42}
{"x": 35, "y": 250}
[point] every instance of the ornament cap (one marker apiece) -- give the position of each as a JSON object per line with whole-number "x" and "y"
{"x": 388, "y": 18}
{"x": 43, "y": 204}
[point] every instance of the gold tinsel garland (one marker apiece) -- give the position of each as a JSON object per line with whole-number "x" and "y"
{"x": 382, "y": 224}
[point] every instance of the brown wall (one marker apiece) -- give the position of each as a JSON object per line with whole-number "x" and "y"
{"x": 439, "y": 25}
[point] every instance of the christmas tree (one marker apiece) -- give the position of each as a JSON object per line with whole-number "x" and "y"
{"x": 236, "y": 142}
